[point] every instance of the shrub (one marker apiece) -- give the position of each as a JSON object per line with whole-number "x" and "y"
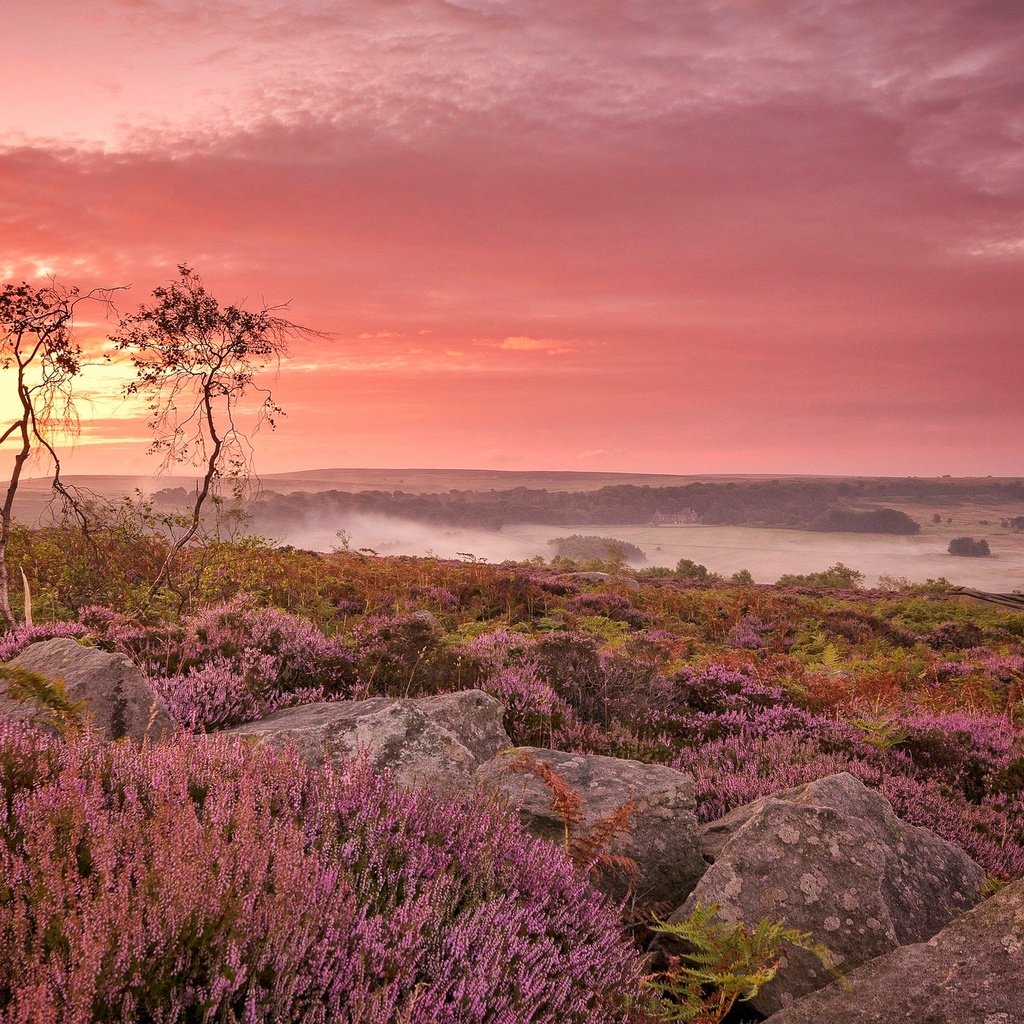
{"x": 15, "y": 641}
{"x": 969, "y": 547}
{"x": 836, "y": 577}
{"x": 285, "y": 895}
{"x": 611, "y": 606}
{"x": 589, "y": 547}
{"x": 236, "y": 663}
{"x": 403, "y": 655}
{"x": 688, "y": 569}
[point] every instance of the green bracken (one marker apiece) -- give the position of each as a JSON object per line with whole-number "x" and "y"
{"x": 721, "y": 964}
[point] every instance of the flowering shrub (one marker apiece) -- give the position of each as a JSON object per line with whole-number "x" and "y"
{"x": 403, "y": 655}
{"x": 222, "y": 692}
{"x": 14, "y": 642}
{"x": 534, "y": 712}
{"x": 233, "y": 662}
{"x": 747, "y": 634}
{"x": 282, "y": 895}
{"x": 302, "y": 655}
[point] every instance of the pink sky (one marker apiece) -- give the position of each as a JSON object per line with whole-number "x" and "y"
{"x": 681, "y": 236}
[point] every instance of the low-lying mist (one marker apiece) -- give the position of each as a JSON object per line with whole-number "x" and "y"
{"x": 766, "y": 553}
{"x": 387, "y": 535}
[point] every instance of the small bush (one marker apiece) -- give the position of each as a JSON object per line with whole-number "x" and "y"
{"x": 837, "y": 577}
{"x": 688, "y": 569}
{"x": 588, "y": 547}
{"x": 968, "y": 547}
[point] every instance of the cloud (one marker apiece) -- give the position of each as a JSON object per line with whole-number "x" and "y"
{"x": 523, "y": 344}
{"x": 788, "y": 225}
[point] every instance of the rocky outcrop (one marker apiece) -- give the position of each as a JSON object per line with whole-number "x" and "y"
{"x": 599, "y": 577}
{"x": 663, "y": 837}
{"x": 429, "y": 740}
{"x": 118, "y": 698}
{"x": 832, "y": 858}
{"x": 972, "y": 972}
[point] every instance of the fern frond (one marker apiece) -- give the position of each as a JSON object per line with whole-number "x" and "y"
{"x": 722, "y": 964}
{"x": 590, "y": 851}
{"x": 49, "y": 696}
{"x": 565, "y": 801}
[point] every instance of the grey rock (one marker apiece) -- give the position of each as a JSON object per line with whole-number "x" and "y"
{"x": 972, "y": 972}
{"x": 429, "y": 740}
{"x": 663, "y": 838}
{"x": 118, "y": 697}
{"x": 600, "y": 577}
{"x": 831, "y": 858}
{"x": 426, "y": 617}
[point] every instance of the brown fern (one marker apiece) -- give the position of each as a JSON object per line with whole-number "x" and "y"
{"x": 591, "y": 850}
{"x": 565, "y": 801}
{"x": 587, "y": 850}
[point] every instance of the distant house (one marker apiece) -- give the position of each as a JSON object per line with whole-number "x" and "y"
{"x": 682, "y": 518}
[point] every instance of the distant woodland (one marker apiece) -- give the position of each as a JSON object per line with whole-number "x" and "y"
{"x": 802, "y": 504}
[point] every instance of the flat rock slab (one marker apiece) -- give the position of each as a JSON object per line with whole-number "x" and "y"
{"x": 663, "y": 839}
{"x": 427, "y": 740}
{"x": 831, "y": 858}
{"x": 599, "y": 577}
{"x": 972, "y": 972}
{"x": 118, "y": 697}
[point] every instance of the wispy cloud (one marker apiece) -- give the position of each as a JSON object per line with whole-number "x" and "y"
{"x": 734, "y": 223}
{"x": 550, "y": 346}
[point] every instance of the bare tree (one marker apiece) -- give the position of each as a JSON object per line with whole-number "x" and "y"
{"x": 40, "y": 357}
{"x": 196, "y": 363}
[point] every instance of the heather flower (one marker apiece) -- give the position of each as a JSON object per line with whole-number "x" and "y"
{"x": 201, "y": 880}
{"x": 16, "y": 640}
{"x": 747, "y": 634}
{"x": 533, "y": 710}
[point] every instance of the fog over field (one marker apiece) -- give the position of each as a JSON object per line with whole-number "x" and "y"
{"x": 767, "y": 553}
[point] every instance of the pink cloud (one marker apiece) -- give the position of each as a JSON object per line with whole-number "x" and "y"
{"x": 792, "y": 234}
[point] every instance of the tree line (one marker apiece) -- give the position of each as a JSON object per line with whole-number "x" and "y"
{"x": 790, "y": 504}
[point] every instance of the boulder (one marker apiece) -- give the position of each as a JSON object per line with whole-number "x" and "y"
{"x": 663, "y": 838}
{"x": 599, "y": 577}
{"x": 438, "y": 739}
{"x": 972, "y": 972}
{"x": 831, "y": 858}
{"x": 119, "y": 699}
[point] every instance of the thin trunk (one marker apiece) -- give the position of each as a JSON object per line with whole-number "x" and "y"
{"x": 7, "y": 509}
{"x": 201, "y": 495}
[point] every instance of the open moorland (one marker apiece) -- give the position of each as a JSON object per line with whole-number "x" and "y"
{"x": 321, "y": 889}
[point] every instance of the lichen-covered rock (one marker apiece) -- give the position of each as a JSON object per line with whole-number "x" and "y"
{"x": 429, "y": 740}
{"x": 972, "y": 972}
{"x": 118, "y": 698}
{"x": 599, "y": 577}
{"x": 832, "y": 858}
{"x": 663, "y": 838}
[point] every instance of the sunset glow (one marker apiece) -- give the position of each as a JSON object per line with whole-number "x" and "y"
{"x": 727, "y": 236}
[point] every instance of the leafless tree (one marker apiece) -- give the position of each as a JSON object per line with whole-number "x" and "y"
{"x": 40, "y": 358}
{"x": 196, "y": 363}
